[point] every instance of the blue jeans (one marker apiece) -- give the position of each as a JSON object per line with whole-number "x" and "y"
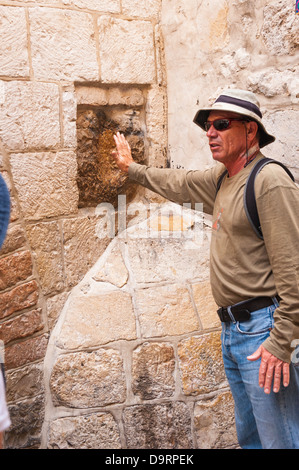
{"x": 262, "y": 421}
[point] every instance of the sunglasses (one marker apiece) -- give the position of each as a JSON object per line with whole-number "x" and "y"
{"x": 220, "y": 124}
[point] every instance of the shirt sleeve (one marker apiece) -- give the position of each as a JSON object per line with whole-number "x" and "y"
{"x": 4, "y": 415}
{"x": 179, "y": 186}
{"x": 278, "y": 207}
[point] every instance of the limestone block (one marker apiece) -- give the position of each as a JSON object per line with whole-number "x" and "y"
{"x": 53, "y": 36}
{"x": 126, "y": 51}
{"x": 84, "y": 380}
{"x": 45, "y": 241}
{"x": 280, "y": 30}
{"x": 97, "y": 96}
{"x": 13, "y": 46}
{"x": 156, "y": 125}
{"x": 46, "y": 183}
{"x": 160, "y": 260}
{"x": 23, "y": 296}
{"x": 29, "y": 115}
{"x": 111, "y": 6}
{"x": 283, "y": 125}
{"x": 205, "y": 305}
{"x": 69, "y": 106}
{"x": 214, "y": 422}
{"x": 93, "y": 431}
{"x": 27, "y": 418}
{"x": 153, "y": 371}
{"x": 15, "y": 238}
{"x": 275, "y": 83}
{"x": 54, "y": 306}
{"x": 165, "y": 310}
{"x": 200, "y": 361}
{"x": 22, "y": 326}
{"x": 15, "y": 268}
{"x": 165, "y": 426}
{"x": 81, "y": 245}
{"x": 95, "y": 320}
{"x": 25, "y": 383}
{"x": 24, "y": 352}
{"x": 146, "y": 9}
{"x": 114, "y": 270}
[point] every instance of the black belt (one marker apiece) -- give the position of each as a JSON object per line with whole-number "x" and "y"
{"x": 242, "y": 310}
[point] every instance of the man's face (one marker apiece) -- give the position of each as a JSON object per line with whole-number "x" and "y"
{"x": 227, "y": 145}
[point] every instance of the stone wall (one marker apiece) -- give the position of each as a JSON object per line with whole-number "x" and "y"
{"x": 212, "y": 45}
{"x": 135, "y": 358}
{"x": 72, "y": 72}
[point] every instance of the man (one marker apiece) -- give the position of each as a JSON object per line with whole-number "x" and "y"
{"x": 247, "y": 272}
{"x": 4, "y": 220}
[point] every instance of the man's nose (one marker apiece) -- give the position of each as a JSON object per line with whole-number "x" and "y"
{"x": 211, "y": 132}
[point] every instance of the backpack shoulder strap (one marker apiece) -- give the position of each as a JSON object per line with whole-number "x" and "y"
{"x": 220, "y": 179}
{"x": 249, "y": 194}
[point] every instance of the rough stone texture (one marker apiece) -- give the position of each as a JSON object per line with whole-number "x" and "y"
{"x": 201, "y": 364}
{"x": 165, "y": 310}
{"x": 13, "y": 47}
{"x": 29, "y": 115}
{"x": 114, "y": 270}
{"x": 21, "y": 326}
{"x": 81, "y": 245}
{"x": 126, "y": 51}
{"x": 214, "y": 422}
{"x": 45, "y": 241}
{"x": 46, "y": 183}
{"x": 157, "y": 358}
{"x": 15, "y": 268}
{"x": 14, "y": 300}
{"x": 24, "y": 352}
{"x": 27, "y": 420}
{"x": 152, "y": 260}
{"x": 166, "y": 426}
{"x": 205, "y": 305}
{"x": 286, "y": 144}
{"x": 26, "y": 382}
{"x": 99, "y": 180}
{"x": 69, "y": 106}
{"x": 153, "y": 371}
{"x": 112, "y": 6}
{"x": 212, "y": 45}
{"x": 93, "y": 320}
{"x": 53, "y": 35}
{"x": 95, "y": 431}
{"x": 111, "y": 96}
{"x": 54, "y": 306}
{"x": 15, "y": 239}
{"x": 281, "y": 28}
{"x": 146, "y": 9}
{"x": 86, "y": 380}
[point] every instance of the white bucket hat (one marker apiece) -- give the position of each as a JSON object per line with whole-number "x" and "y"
{"x": 237, "y": 101}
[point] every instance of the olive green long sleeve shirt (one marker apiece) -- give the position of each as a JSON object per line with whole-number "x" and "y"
{"x": 241, "y": 265}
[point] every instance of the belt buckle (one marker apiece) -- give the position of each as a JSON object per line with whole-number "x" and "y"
{"x": 243, "y": 315}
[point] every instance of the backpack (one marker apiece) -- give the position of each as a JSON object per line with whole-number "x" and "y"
{"x": 249, "y": 194}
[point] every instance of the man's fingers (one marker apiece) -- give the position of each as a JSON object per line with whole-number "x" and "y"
{"x": 286, "y": 374}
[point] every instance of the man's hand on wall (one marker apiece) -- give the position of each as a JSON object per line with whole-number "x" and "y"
{"x": 122, "y": 155}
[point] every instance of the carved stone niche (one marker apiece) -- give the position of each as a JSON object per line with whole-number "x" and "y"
{"x": 101, "y": 112}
